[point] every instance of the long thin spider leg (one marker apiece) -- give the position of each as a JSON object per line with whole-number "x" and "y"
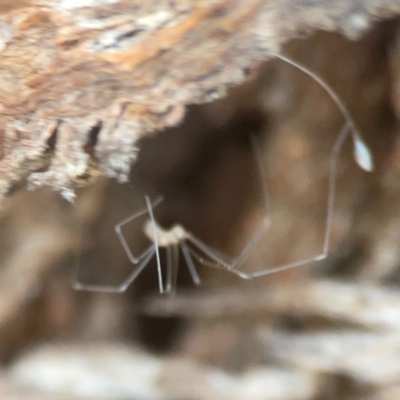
{"x": 280, "y": 268}
{"x": 214, "y": 254}
{"x": 190, "y": 264}
{"x": 118, "y": 229}
{"x": 205, "y": 262}
{"x": 231, "y": 262}
{"x": 168, "y": 285}
{"x": 175, "y": 266}
{"x": 149, "y": 253}
{"x": 76, "y": 284}
{"x": 332, "y": 185}
{"x": 262, "y": 178}
{"x": 172, "y": 268}
{"x": 222, "y": 259}
{"x": 330, "y": 208}
{"x": 252, "y": 244}
{"x": 266, "y": 223}
{"x": 362, "y": 153}
{"x": 138, "y": 270}
{"x": 160, "y": 277}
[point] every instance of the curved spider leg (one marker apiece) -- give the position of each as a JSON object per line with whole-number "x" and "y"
{"x": 255, "y": 144}
{"x": 147, "y": 256}
{"x": 362, "y": 156}
{"x": 221, "y": 259}
{"x": 362, "y": 153}
{"x": 143, "y": 258}
{"x": 266, "y": 222}
{"x": 328, "y": 227}
{"x": 137, "y": 271}
{"x": 190, "y": 264}
{"x": 153, "y": 221}
{"x": 217, "y": 256}
{"x": 232, "y": 265}
{"x": 118, "y": 230}
{"x": 208, "y": 263}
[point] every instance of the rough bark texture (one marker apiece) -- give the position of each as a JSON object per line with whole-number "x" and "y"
{"x": 82, "y": 81}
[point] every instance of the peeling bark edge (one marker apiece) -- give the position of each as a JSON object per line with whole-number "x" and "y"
{"x": 80, "y": 85}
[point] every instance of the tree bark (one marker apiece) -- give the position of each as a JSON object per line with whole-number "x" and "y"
{"x": 81, "y": 81}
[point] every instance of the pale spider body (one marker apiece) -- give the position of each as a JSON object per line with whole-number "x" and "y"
{"x": 164, "y": 237}
{"x": 177, "y": 239}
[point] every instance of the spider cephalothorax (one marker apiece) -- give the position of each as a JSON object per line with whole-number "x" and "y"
{"x": 164, "y": 237}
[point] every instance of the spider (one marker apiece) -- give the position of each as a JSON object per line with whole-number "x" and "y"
{"x": 177, "y": 239}
{"x": 174, "y": 240}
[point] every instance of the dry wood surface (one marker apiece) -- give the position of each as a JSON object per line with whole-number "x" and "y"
{"x": 82, "y": 81}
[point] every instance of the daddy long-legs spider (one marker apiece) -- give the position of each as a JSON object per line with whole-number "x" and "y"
{"x": 177, "y": 239}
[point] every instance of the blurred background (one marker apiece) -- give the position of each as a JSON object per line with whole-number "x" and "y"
{"x": 330, "y": 330}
